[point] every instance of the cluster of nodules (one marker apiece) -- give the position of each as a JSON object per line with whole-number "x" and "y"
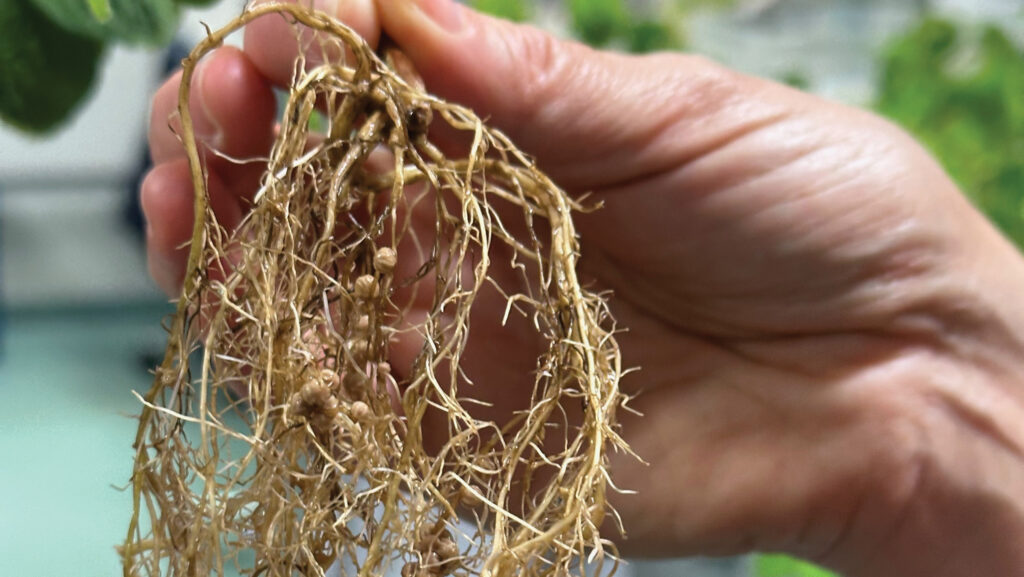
{"x": 337, "y": 468}
{"x": 358, "y": 371}
{"x": 437, "y": 554}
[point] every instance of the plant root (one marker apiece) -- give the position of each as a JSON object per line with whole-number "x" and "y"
{"x": 357, "y": 240}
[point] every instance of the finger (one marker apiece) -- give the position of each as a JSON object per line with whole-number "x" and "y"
{"x": 167, "y": 203}
{"x": 232, "y": 107}
{"x": 589, "y": 117}
{"x": 233, "y": 112}
{"x": 273, "y": 45}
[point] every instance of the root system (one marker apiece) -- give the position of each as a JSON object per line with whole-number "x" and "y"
{"x": 369, "y": 235}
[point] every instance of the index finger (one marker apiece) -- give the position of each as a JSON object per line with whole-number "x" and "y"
{"x": 273, "y": 42}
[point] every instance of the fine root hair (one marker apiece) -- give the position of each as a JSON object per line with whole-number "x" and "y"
{"x": 277, "y": 436}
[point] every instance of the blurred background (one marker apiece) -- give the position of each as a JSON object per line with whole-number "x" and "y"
{"x": 80, "y": 320}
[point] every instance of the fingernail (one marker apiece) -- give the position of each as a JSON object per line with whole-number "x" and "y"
{"x": 445, "y": 13}
{"x": 204, "y": 121}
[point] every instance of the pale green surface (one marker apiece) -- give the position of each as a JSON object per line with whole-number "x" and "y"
{"x": 65, "y": 436}
{"x": 782, "y": 566}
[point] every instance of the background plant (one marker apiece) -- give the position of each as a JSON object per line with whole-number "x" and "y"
{"x": 962, "y": 94}
{"x": 612, "y": 23}
{"x": 50, "y": 51}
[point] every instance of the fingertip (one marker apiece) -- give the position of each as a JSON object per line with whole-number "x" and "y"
{"x": 359, "y": 15}
{"x": 166, "y": 199}
{"x": 166, "y": 274}
{"x": 231, "y": 103}
{"x": 165, "y": 196}
{"x": 163, "y": 139}
{"x": 272, "y": 44}
{"x": 167, "y": 202}
{"x": 237, "y": 101}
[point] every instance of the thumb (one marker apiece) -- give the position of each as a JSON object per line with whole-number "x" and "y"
{"x": 591, "y": 118}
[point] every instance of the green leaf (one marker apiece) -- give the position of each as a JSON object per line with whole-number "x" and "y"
{"x": 100, "y": 10}
{"x": 599, "y": 22}
{"x": 972, "y": 120}
{"x": 796, "y": 78}
{"x": 782, "y": 566}
{"x": 514, "y": 10}
{"x": 195, "y": 2}
{"x": 47, "y": 71}
{"x": 652, "y": 36}
{"x": 151, "y": 22}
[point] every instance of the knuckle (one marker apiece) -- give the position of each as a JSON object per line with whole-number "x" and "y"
{"x": 546, "y": 65}
{"x": 703, "y": 86}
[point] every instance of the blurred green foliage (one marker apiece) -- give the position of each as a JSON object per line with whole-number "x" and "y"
{"x": 604, "y": 23}
{"x": 964, "y": 98}
{"x": 782, "y": 566}
{"x": 613, "y": 23}
{"x": 101, "y": 10}
{"x": 598, "y": 22}
{"x": 46, "y": 69}
{"x": 651, "y": 36}
{"x": 796, "y": 79}
{"x": 50, "y": 51}
{"x": 514, "y": 10}
{"x": 133, "y": 21}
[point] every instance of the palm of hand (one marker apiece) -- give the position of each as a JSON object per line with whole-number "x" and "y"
{"x": 768, "y": 282}
{"x": 776, "y": 261}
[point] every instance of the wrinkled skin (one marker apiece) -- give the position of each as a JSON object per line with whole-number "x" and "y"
{"x": 831, "y": 337}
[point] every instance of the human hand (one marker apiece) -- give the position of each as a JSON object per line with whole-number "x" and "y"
{"x": 828, "y": 332}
